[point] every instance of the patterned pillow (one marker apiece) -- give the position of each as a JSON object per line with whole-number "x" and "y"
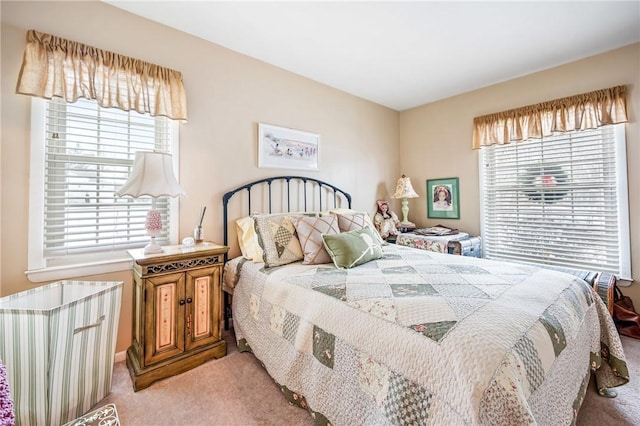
{"x": 277, "y": 238}
{"x": 353, "y": 248}
{"x": 310, "y": 231}
{"x": 352, "y": 222}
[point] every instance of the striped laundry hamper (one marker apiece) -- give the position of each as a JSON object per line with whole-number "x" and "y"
{"x": 58, "y": 345}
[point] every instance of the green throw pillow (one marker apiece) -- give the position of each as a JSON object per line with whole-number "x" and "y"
{"x": 353, "y": 248}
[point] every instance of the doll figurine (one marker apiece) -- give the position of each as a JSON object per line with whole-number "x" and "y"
{"x": 385, "y": 220}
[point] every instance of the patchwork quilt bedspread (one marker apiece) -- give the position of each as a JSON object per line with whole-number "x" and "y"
{"x": 418, "y": 337}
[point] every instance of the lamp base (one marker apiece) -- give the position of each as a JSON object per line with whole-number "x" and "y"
{"x": 405, "y": 213}
{"x": 152, "y": 247}
{"x": 407, "y": 224}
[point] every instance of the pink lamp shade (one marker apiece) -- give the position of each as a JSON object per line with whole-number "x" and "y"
{"x": 153, "y": 224}
{"x": 152, "y": 175}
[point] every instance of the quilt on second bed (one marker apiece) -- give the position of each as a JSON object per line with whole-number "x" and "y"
{"x": 420, "y": 337}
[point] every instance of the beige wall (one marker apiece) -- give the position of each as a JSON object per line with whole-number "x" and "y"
{"x": 227, "y": 95}
{"x": 435, "y": 139}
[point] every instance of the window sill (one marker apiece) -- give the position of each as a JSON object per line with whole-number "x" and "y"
{"x": 624, "y": 282}
{"x": 119, "y": 262}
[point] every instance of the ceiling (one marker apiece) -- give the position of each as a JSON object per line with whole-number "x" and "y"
{"x": 405, "y": 54}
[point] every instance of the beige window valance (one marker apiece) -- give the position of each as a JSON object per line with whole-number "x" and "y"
{"x": 579, "y": 112}
{"x": 56, "y": 67}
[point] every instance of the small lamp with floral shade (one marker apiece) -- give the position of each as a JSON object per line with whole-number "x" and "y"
{"x": 404, "y": 190}
{"x": 152, "y": 175}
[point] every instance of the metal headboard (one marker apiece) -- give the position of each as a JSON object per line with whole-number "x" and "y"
{"x": 315, "y": 187}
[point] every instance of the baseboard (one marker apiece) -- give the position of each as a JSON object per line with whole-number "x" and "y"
{"x": 120, "y": 356}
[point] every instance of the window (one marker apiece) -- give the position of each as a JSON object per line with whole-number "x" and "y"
{"x": 81, "y": 154}
{"x": 560, "y": 201}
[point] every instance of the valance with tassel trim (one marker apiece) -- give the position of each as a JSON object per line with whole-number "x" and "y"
{"x": 579, "y": 112}
{"x": 56, "y": 67}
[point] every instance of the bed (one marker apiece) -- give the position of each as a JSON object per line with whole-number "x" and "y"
{"x": 407, "y": 336}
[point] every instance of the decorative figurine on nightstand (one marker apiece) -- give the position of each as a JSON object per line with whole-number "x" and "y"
{"x": 385, "y": 220}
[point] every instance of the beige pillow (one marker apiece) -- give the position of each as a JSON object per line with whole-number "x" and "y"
{"x": 310, "y": 231}
{"x": 248, "y": 240}
{"x": 355, "y": 221}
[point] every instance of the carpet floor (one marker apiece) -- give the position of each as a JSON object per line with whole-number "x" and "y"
{"x": 236, "y": 390}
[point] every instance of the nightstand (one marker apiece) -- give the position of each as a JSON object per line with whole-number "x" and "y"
{"x": 177, "y": 311}
{"x": 405, "y": 228}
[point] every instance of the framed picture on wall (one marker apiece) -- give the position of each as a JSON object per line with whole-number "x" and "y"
{"x": 443, "y": 198}
{"x": 284, "y": 148}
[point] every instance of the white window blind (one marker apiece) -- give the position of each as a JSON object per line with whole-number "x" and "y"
{"x": 560, "y": 202}
{"x": 84, "y": 154}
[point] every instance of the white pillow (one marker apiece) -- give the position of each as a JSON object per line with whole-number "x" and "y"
{"x": 340, "y": 210}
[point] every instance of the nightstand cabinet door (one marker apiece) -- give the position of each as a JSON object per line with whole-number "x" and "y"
{"x": 165, "y": 311}
{"x": 203, "y": 316}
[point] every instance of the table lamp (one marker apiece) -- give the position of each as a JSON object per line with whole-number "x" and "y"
{"x": 152, "y": 176}
{"x": 405, "y": 191}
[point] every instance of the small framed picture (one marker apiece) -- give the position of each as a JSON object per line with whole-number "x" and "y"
{"x": 283, "y": 148}
{"x": 443, "y": 198}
